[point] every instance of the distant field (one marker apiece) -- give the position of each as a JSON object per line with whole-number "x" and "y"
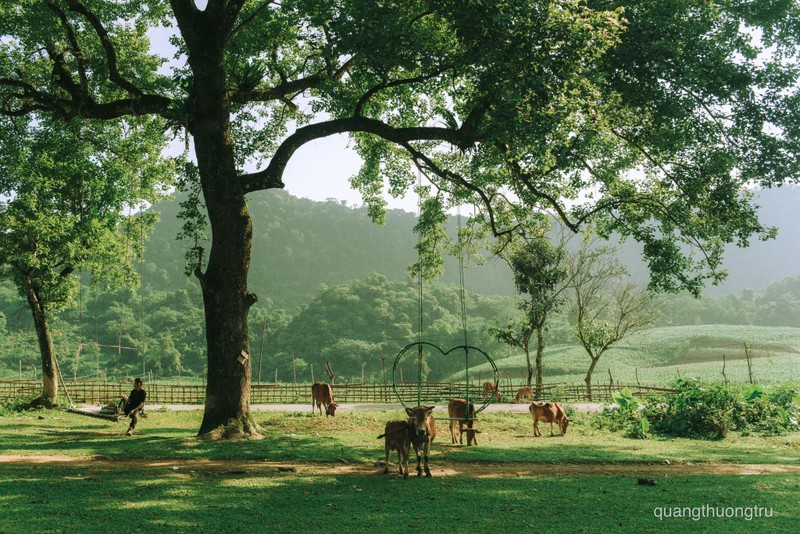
{"x": 660, "y": 354}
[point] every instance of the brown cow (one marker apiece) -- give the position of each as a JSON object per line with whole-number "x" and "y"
{"x": 488, "y": 389}
{"x": 456, "y": 410}
{"x": 420, "y": 418}
{"x": 549, "y": 412}
{"x": 524, "y": 394}
{"x": 322, "y": 395}
{"x": 397, "y": 436}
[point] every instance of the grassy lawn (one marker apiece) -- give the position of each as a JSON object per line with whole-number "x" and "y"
{"x": 65, "y": 500}
{"x": 351, "y": 436}
{"x": 86, "y": 498}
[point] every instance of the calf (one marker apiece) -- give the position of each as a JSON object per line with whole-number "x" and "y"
{"x": 524, "y": 394}
{"x": 397, "y": 436}
{"x": 423, "y": 430}
{"x": 549, "y": 412}
{"x": 322, "y": 395}
{"x": 456, "y": 410}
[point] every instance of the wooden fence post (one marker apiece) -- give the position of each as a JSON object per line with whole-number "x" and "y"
{"x": 748, "y": 354}
{"x": 261, "y": 351}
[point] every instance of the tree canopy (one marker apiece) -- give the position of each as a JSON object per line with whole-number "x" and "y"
{"x": 635, "y": 117}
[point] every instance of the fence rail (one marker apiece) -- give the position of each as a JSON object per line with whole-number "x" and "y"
{"x": 98, "y": 392}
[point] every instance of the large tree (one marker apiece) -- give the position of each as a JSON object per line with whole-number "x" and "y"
{"x": 510, "y": 105}
{"x": 68, "y": 190}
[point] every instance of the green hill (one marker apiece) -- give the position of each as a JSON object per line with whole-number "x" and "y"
{"x": 299, "y": 244}
{"x": 659, "y": 354}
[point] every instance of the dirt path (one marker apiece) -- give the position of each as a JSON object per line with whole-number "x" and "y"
{"x": 472, "y": 469}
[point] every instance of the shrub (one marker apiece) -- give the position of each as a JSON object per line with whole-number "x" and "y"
{"x": 712, "y": 410}
{"x": 15, "y": 405}
{"x": 624, "y": 414}
{"x": 768, "y": 414}
{"x": 695, "y": 410}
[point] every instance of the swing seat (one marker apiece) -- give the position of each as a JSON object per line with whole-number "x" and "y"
{"x": 91, "y": 413}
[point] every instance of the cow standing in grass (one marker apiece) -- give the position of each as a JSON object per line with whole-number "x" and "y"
{"x": 423, "y": 431}
{"x": 456, "y": 410}
{"x": 549, "y": 412}
{"x": 322, "y": 395}
{"x": 397, "y": 436}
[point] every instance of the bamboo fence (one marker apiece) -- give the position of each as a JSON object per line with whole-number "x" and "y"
{"x": 99, "y": 392}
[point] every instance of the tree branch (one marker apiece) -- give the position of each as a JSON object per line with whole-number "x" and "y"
{"x": 76, "y": 48}
{"x": 111, "y": 52}
{"x": 271, "y": 177}
{"x": 278, "y": 92}
{"x": 463, "y": 182}
{"x": 393, "y": 83}
{"x": 525, "y": 178}
{"x": 252, "y": 17}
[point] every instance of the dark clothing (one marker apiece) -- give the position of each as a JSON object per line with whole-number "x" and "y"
{"x": 134, "y": 399}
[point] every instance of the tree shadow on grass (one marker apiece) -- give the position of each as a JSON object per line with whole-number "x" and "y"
{"x": 63, "y": 499}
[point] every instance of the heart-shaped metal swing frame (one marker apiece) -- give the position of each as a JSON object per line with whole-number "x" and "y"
{"x": 466, "y": 348}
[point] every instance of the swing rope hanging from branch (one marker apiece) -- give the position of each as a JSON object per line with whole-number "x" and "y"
{"x": 421, "y": 345}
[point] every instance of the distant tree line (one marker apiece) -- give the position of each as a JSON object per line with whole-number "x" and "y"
{"x": 347, "y": 324}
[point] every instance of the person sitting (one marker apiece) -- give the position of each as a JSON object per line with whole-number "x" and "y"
{"x": 134, "y": 404}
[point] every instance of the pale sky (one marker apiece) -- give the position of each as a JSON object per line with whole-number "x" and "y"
{"x": 321, "y": 169}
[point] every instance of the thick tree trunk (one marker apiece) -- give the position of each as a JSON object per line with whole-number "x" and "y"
{"x": 226, "y": 298}
{"x": 588, "y": 378}
{"x": 539, "y": 354}
{"x": 49, "y": 395}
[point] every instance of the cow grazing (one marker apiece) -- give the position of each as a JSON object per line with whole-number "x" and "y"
{"x": 456, "y": 410}
{"x": 524, "y": 394}
{"x": 423, "y": 430}
{"x": 322, "y": 395}
{"x": 397, "y": 436}
{"x": 549, "y": 412}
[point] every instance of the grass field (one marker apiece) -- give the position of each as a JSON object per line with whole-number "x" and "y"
{"x": 660, "y": 354}
{"x": 63, "y": 472}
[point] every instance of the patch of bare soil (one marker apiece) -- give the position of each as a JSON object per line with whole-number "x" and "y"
{"x": 475, "y": 469}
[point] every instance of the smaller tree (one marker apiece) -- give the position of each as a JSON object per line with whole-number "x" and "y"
{"x": 539, "y": 273}
{"x": 604, "y": 309}
{"x": 67, "y": 189}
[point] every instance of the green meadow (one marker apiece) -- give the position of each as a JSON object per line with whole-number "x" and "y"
{"x": 61, "y": 472}
{"x": 660, "y": 355}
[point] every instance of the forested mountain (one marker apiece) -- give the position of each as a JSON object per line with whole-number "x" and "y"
{"x": 333, "y": 286}
{"x": 299, "y": 244}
